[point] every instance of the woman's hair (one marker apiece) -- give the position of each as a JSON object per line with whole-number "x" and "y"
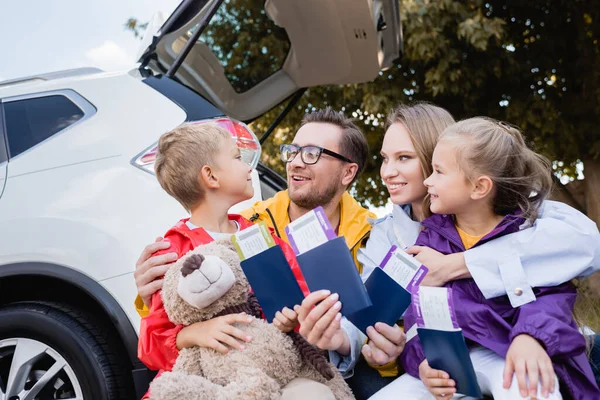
{"x": 522, "y": 178}
{"x": 425, "y": 123}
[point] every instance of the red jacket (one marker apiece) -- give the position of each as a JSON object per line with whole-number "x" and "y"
{"x": 157, "y": 344}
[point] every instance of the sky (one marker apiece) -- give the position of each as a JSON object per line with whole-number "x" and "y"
{"x": 39, "y": 36}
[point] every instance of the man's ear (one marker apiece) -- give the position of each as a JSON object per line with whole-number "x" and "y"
{"x": 482, "y": 187}
{"x": 350, "y": 171}
{"x": 208, "y": 178}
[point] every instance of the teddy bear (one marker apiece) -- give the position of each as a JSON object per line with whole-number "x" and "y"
{"x": 209, "y": 282}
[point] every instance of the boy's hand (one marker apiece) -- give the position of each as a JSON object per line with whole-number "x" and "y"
{"x": 217, "y": 333}
{"x": 286, "y": 320}
{"x": 385, "y": 344}
{"x": 150, "y": 269}
{"x": 320, "y": 322}
{"x": 438, "y": 382}
{"x": 529, "y": 360}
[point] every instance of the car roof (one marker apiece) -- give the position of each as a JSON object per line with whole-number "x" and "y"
{"x": 35, "y": 83}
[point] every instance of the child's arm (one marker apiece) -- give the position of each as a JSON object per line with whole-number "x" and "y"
{"x": 437, "y": 382}
{"x": 550, "y": 320}
{"x": 160, "y": 339}
{"x": 528, "y": 359}
{"x": 157, "y": 343}
{"x": 537, "y": 256}
{"x": 543, "y": 330}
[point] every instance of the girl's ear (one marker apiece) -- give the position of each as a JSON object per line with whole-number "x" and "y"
{"x": 208, "y": 178}
{"x": 482, "y": 187}
{"x": 349, "y": 173}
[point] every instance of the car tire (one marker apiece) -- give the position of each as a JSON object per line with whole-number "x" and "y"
{"x": 93, "y": 368}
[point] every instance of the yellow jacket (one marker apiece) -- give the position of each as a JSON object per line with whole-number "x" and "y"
{"x": 353, "y": 219}
{"x": 274, "y": 212}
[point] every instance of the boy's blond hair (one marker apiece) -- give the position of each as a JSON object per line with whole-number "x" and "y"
{"x": 182, "y": 152}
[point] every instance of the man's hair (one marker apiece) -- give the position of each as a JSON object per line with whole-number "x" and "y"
{"x": 182, "y": 152}
{"x": 353, "y": 144}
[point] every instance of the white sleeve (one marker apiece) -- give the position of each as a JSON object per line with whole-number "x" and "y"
{"x": 561, "y": 245}
{"x": 345, "y": 364}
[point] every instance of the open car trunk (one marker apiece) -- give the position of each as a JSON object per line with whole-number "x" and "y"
{"x": 252, "y": 54}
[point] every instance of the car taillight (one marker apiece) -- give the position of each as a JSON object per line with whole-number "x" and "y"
{"x": 241, "y": 133}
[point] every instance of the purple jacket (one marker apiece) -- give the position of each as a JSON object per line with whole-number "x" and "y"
{"x": 494, "y": 323}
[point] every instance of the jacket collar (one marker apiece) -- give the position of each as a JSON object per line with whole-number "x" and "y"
{"x": 444, "y": 225}
{"x": 199, "y": 235}
{"x": 353, "y": 217}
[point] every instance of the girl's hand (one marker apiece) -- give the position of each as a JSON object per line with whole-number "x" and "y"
{"x": 437, "y": 382}
{"x": 286, "y": 320}
{"x": 528, "y": 359}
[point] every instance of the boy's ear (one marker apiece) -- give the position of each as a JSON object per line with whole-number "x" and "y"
{"x": 350, "y": 172}
{"x": 482, "y": 187}
{"x": 208, "y": 178}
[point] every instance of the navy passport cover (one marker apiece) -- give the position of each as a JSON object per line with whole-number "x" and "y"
{"x": 389, "y": 299}
{"x": 447, "y": 351}
{"x": 272, "y": 281}
{"x": 330, "y": 266}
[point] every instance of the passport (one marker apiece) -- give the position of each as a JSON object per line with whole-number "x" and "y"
{"x": 448, "y": 351}
{"x": 389, "y": 301}
{"x": 272, "y": 281}
{"x": 330, "y": 266}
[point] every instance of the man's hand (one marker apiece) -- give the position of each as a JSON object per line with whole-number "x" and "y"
{"x": 437, "y": 382}
{"x": 529, "y": 360}
{"x": 217, "y": 333}
{"x": 149, "y": 270}
{"x": 320, "y": 324}
{"x": 385, "y": 344}
{"x": 286, "y": 320}
{"x": 442, "y": 268}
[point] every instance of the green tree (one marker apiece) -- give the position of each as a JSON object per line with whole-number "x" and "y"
{"x": 533, "y": 64}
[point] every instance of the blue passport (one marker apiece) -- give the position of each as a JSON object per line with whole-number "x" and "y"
{"x": 331, "y": 266}
{"x": 390, "y": 301}
{"x": 272, "y": 281}
{"x": 447, "y": 351}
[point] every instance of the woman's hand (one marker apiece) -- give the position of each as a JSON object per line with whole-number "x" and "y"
{"x": 320, "y": 322}
{"x": 442, "y": 268}
{"x": 527, "y": 358}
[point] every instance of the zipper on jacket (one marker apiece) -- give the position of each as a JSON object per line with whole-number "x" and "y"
{"x": 273, "y": 221}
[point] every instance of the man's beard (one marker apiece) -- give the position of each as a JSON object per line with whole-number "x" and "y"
{"x": 313, "y": 199}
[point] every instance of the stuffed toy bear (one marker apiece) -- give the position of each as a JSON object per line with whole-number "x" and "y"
{"x": 209, "y": 282}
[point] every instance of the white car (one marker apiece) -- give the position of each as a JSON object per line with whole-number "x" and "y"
{"x": 78, "y": 196}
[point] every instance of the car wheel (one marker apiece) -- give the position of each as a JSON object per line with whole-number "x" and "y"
{"x": 51, "y": 351}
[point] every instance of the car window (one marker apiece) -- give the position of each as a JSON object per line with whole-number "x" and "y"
{"x": 31, "y": 121}
{"x": 247, "y": 43}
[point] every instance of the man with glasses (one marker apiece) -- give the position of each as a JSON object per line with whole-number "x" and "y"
{"x": 326, "y": 156}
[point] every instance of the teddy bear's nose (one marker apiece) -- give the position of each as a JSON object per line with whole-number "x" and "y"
{"x": 212, "y": 270}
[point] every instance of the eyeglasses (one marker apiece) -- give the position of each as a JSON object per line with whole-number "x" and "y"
{"x": 309, "y": 154}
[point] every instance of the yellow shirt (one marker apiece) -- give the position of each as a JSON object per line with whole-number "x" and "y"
{"x": 468, "y": 240}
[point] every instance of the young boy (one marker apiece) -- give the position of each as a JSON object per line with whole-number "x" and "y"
{"x": 201, "y": 167}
